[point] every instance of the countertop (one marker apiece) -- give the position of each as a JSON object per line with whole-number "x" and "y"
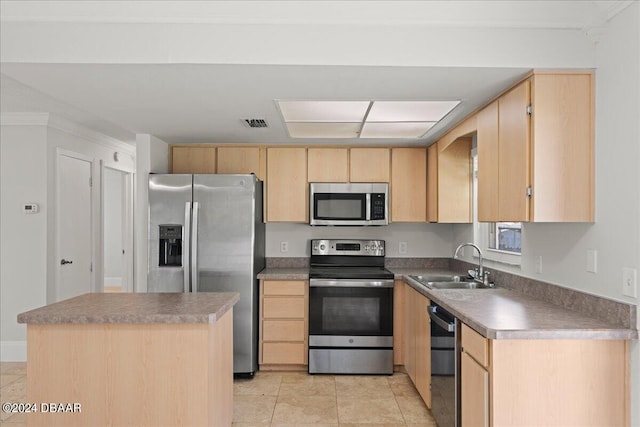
{"x": 205, "y": 307}
{"x": 498, "y": 313}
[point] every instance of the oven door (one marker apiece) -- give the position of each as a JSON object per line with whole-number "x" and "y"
{"x": 351, "y": 308}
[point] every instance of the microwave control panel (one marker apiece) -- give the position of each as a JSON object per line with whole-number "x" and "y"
{"x": 378, "y": 204}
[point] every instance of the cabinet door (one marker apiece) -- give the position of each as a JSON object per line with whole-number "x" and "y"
{"x": 328, "y": 165}
{"x": 287, "y": 199}
{"x": 410, "y": 332}
{"x": 454, "y": 182}
{"x": 408, "y": 185}
{"x": 193, "y": 160}
{"x": 423, "y": 349}
{"x": 474, "y": 393}
{"x": 514, "y": 136}
{"x": 432, "y": 183}
{"x": 242, "y": 160}
{"x": 488, "y": 167}
{"x": 398, "y": 322}
{"x": 369, "y": 164}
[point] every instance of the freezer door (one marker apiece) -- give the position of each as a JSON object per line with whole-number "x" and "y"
{"x": 169, "y": 224}
{"x": 225, "y": 253}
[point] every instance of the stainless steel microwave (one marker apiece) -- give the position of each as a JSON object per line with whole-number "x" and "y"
{"x": 348, "y": 204}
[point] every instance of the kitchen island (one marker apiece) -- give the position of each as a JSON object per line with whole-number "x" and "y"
{"x": 131, "y": 359}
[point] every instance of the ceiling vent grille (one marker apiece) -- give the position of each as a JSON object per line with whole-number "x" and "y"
{"x": 255, "y": 123}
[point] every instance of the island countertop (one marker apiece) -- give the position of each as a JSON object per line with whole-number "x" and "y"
{"x": 203, "y": 307}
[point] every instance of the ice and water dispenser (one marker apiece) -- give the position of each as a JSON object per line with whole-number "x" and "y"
{"x": 170, "y": 245}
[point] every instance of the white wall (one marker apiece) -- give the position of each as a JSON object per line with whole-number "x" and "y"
{"x": 152, "y": 155}
{"x": 23, "y": 238}
{"x": 28, "y": 242}
{"x": 112, "y": 186}
{"x": 616, "y": 232}
{"x": 423, "y": 240}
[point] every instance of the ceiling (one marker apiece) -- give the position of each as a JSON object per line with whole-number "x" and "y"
{"x": 206, "y": 102}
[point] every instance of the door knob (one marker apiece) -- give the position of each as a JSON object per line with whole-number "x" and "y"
{"x": 64, "y": 261}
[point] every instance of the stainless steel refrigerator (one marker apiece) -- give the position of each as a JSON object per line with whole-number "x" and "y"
{"x": 206, "y": 234}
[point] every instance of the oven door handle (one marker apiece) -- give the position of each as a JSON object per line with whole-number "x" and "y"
{"x": 350, "y": 283}
{"x": 449, "y": 327}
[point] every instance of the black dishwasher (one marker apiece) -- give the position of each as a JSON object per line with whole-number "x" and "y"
{"x": 444, "y": 367}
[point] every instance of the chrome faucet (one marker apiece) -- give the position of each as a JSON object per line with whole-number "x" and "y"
{"x": 481, "y": 275}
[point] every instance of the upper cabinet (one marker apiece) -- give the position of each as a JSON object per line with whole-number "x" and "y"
{"x": 535, "y": 151}
{"x": 287, "y": 185}
{"x": 328, "y": 164}
{"x": 432, "y": 183}
{"x": 194, "y": 159}
{"x": 243, "y": 160}
{"x": 408, "y": 184}
{"x": 369, "y": 164}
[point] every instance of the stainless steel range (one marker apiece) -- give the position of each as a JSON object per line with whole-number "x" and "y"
{"x": 350, "y": 308}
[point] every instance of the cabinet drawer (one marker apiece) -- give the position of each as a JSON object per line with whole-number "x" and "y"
{"x": 283, "y": 330}
{"x": 283, "y": 308}
{"x": 289, "y": 287}
{"x": 279, "y": 353}
{"x": 475, "y": 345}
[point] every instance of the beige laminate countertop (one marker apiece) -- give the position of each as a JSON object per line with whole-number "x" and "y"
{"x": 501, "y": 313}
{"x": 204, "y": 307}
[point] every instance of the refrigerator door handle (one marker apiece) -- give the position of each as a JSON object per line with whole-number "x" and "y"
{"x": 194, "y": 248}
{"x": 186, "y": 253}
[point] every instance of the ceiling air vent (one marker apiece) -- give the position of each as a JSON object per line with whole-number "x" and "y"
{"x": 255, "y": 123}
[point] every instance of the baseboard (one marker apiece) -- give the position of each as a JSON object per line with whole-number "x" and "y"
{"x": 13, "y": 351}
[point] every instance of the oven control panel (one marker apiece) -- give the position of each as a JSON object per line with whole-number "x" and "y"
{"x": 347, "y": 247}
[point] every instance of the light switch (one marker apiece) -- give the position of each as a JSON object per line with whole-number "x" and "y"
{"x": 630, "y": 282}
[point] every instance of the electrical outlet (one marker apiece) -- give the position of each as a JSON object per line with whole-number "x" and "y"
{"x": 630, "y": 282}
{"x": 402, "y": 247}
{"x": 592, "y": 260}
{"x": 539, "y": 264}
{"x": 284, "y": 247}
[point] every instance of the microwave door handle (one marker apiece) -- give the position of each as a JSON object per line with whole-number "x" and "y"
{"x": 367, "y": 207}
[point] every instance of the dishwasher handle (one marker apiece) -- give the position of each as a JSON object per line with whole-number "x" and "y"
{"x": 433, "y": 314}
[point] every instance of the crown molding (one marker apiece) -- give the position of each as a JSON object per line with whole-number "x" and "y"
{"x": 56, "y": 122}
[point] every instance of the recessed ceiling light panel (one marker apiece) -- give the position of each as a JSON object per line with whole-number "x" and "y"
{"x": 324, "y": 111}
{"x": 410, "y": 111}
{"x": 323, "y": 130}
{"x": 395, "y": 130}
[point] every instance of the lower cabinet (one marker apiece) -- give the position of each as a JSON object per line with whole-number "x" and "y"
{"x": 417, "y": 342}
{"x": 543, "y": 382}
{"x": 283, "y": 324}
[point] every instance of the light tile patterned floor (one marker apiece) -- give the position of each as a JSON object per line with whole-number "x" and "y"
{"x": 288, "y": 399}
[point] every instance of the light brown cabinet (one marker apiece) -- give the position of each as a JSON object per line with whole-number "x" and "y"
{"x": 242, "y": 160}
{"x": 417, "y": 342}
{"x": 287, "y": 186}
{"x": 506, "y": 382}
{"x": 539, "y": 138}
{"x": 408, "y": 185}
{"x": 193, "y": 159}
{"x": 369, "y": 164}
{"x": 398, "y": 322}
{"x": 449, "y": 182}
{"x": 283, "y": 324}
{"x": 328, "y": 164}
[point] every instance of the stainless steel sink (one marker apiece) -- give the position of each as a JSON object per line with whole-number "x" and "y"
{"x": 444, "y": 281}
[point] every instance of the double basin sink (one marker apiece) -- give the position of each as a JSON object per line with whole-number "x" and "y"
{"x": 448, "y": 281}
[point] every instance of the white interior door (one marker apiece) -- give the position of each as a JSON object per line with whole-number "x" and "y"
{"x": 74, "y": 226}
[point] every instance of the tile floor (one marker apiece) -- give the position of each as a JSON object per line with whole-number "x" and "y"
{"x": 287, "y": 399}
